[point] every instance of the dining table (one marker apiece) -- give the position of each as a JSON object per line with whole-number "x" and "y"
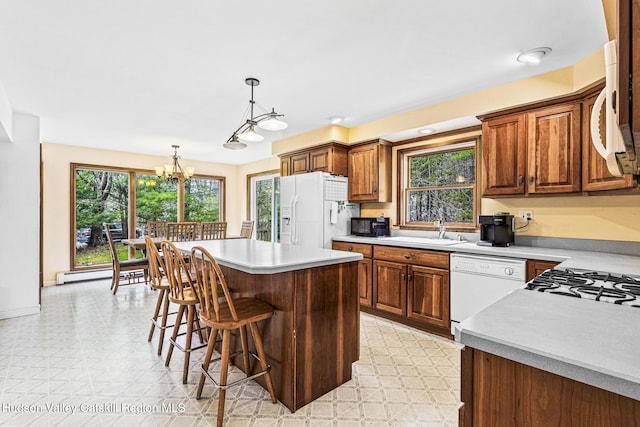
{"x": 140, "y": 243}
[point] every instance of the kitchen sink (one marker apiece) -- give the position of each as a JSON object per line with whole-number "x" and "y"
{"x": 424, "y": 240}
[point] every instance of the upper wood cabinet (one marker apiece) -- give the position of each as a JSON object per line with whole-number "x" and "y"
{"x": 545, "y": 148}
{"x": 504, "y": 148}
{"x": 369, "y": 171}
{"x": 532, "y": 152}
{"x": 553, "y": 149}
{"x": 595, "y": 175}
{"x": 330, "y": 158}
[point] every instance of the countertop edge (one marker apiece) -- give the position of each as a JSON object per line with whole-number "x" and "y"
{"x": 291, "y": 267}
{"x": 590, "y": 376}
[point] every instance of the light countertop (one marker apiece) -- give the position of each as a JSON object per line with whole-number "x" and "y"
{"x": 257, "y": 257}
{"x": 592, "y": 342}
{"x": 572, "y": 259}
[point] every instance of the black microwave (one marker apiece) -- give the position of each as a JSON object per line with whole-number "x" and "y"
{"x": 370, "y": 227}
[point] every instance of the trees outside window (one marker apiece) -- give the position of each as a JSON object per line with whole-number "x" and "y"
{"x": 104, "y": 194}
{"x": 265, "y": 206}
{"x": 440, "y": 178}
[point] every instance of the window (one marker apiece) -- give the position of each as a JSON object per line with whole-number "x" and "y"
{"x": 439, "y": 178}
{"x": 106, "y": 195}
{"x": 265, "y": 206}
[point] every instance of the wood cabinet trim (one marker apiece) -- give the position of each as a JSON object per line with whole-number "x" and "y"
{"x": 577, "y": 96}
{"x": 365, "y": 249}
{"x": 422, "y": 257}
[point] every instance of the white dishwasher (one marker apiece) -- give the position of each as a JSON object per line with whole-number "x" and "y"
{"x": 478, "y": 281}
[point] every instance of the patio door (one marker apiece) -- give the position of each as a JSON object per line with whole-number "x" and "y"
{"x": 265, "y": 206}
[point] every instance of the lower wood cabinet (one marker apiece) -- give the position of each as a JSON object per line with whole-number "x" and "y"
{"x": 365, "y": 269}
{"x": 428, "y": 295}
{"x": 500, "y": 392}
{"x": 536, "y": 267}
{"x": 407, "y": 285}
{"x": 412, "y": 286}
{"x": 390, "y": 284}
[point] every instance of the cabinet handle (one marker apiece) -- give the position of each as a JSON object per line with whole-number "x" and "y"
{"x": 520, "y": 179}
{"x": 408, "y": 277}
{"x": 407, "y": 256}
{"x": 403, "y": 276}
{"x": 531, "y": 179}
{"x": 349, "y": 248}
{"x": 375, "y": 189}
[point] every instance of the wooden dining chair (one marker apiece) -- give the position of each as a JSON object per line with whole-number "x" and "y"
{"x": 160, "y": 282}
{"x": 136, "y": 264}
{"x": 184, "y": 293}
{"x": 213, "y": 230}
{"x": 157, "y": 229}
{"x": 246, "y": 230}
{"x": 223, "y": 314}
{"x": 182, "y": 231}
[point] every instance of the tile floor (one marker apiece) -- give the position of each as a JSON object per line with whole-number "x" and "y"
{"x": 85, "y": 361}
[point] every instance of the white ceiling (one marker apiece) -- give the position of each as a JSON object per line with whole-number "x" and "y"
{"x": 140, "y": 75}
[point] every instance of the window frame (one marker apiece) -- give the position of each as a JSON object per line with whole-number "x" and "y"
{"x": 132, "y": 172}
{"x": 404, "y": 156}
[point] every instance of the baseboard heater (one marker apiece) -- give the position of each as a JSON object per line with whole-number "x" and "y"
{"x": 81, "y": 276}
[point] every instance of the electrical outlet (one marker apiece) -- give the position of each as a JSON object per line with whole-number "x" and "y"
{"x": 525, "y": 216}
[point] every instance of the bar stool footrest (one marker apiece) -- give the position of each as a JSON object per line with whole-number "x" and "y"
{"x": 248, "y": 377}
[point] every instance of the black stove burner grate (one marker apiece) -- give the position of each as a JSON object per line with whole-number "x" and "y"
{"x": 607, "y": 287}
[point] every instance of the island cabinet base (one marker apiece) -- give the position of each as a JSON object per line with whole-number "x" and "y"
{"x": 313, "y": 337}
{"x": 500, "y": 392}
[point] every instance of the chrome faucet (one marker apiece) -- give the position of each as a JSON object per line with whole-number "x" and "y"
{"x": 443, "y": 226}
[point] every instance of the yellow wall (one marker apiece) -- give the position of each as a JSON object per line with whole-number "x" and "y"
{"x": 56, "y": 204}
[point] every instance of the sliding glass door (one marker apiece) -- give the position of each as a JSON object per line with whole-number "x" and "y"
{"x": 265, "y": 206}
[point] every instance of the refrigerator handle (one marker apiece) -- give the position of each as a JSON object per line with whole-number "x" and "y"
{"x": 294, "y": 220}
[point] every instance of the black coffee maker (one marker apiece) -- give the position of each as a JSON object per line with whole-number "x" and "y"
{"x": 496, "y": 229}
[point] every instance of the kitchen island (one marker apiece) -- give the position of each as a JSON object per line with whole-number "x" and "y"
{"x": 313, "y": 337}
{"x": 542, "y": 359}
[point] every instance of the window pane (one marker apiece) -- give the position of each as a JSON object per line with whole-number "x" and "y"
{"x": 456, "y": 202}
{"x": 441, "y": 169}
{"x": 156, "y": 200}
{"x": 264, "y": 208}
{"x": 202, "y": 199}
{"x": 101, "y": 197}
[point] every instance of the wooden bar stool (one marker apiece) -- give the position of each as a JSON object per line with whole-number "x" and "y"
{"x": 158, "y": 281}
{"x": 223, "y": 314}
{"x": 183, "y": 293}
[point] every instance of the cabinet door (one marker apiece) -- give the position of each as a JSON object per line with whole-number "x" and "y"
{"x": 363, "y": 173}
{"x": 299, "y": 163}
{"x": 390, "y": 287}
{"x": 365, "y": 281}
{"x": 503, "y": 155}
{"x": 428, "y": 295}
{"x": 537, "y": 267}
{"x": 595, "y": 175}
{"x": 320, "y": 160}
{"x": 285, "y": 166}
{"x": 553, "y": 143}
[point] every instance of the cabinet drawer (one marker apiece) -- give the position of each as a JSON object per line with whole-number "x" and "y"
{"x": 412, "y": 256}
{"x": 363, "y": 248}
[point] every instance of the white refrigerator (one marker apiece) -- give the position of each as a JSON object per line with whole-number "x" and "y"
{"x": 314, "y": 208}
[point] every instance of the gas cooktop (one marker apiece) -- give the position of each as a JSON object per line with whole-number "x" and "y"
{"x": 607, "y": 287}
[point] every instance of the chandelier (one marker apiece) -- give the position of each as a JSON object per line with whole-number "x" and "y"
{"x": 174, "y": 171}
{"x": 247, "y": 130}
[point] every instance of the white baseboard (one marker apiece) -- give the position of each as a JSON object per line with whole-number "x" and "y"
{"x": 26, "y": 311}
{"x": 82, "y": 275}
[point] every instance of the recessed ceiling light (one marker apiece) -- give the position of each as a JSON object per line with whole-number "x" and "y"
{"x": 336, "y": 119}
{"x": 426, "y": 131}
{"x": 533, "y": 56}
